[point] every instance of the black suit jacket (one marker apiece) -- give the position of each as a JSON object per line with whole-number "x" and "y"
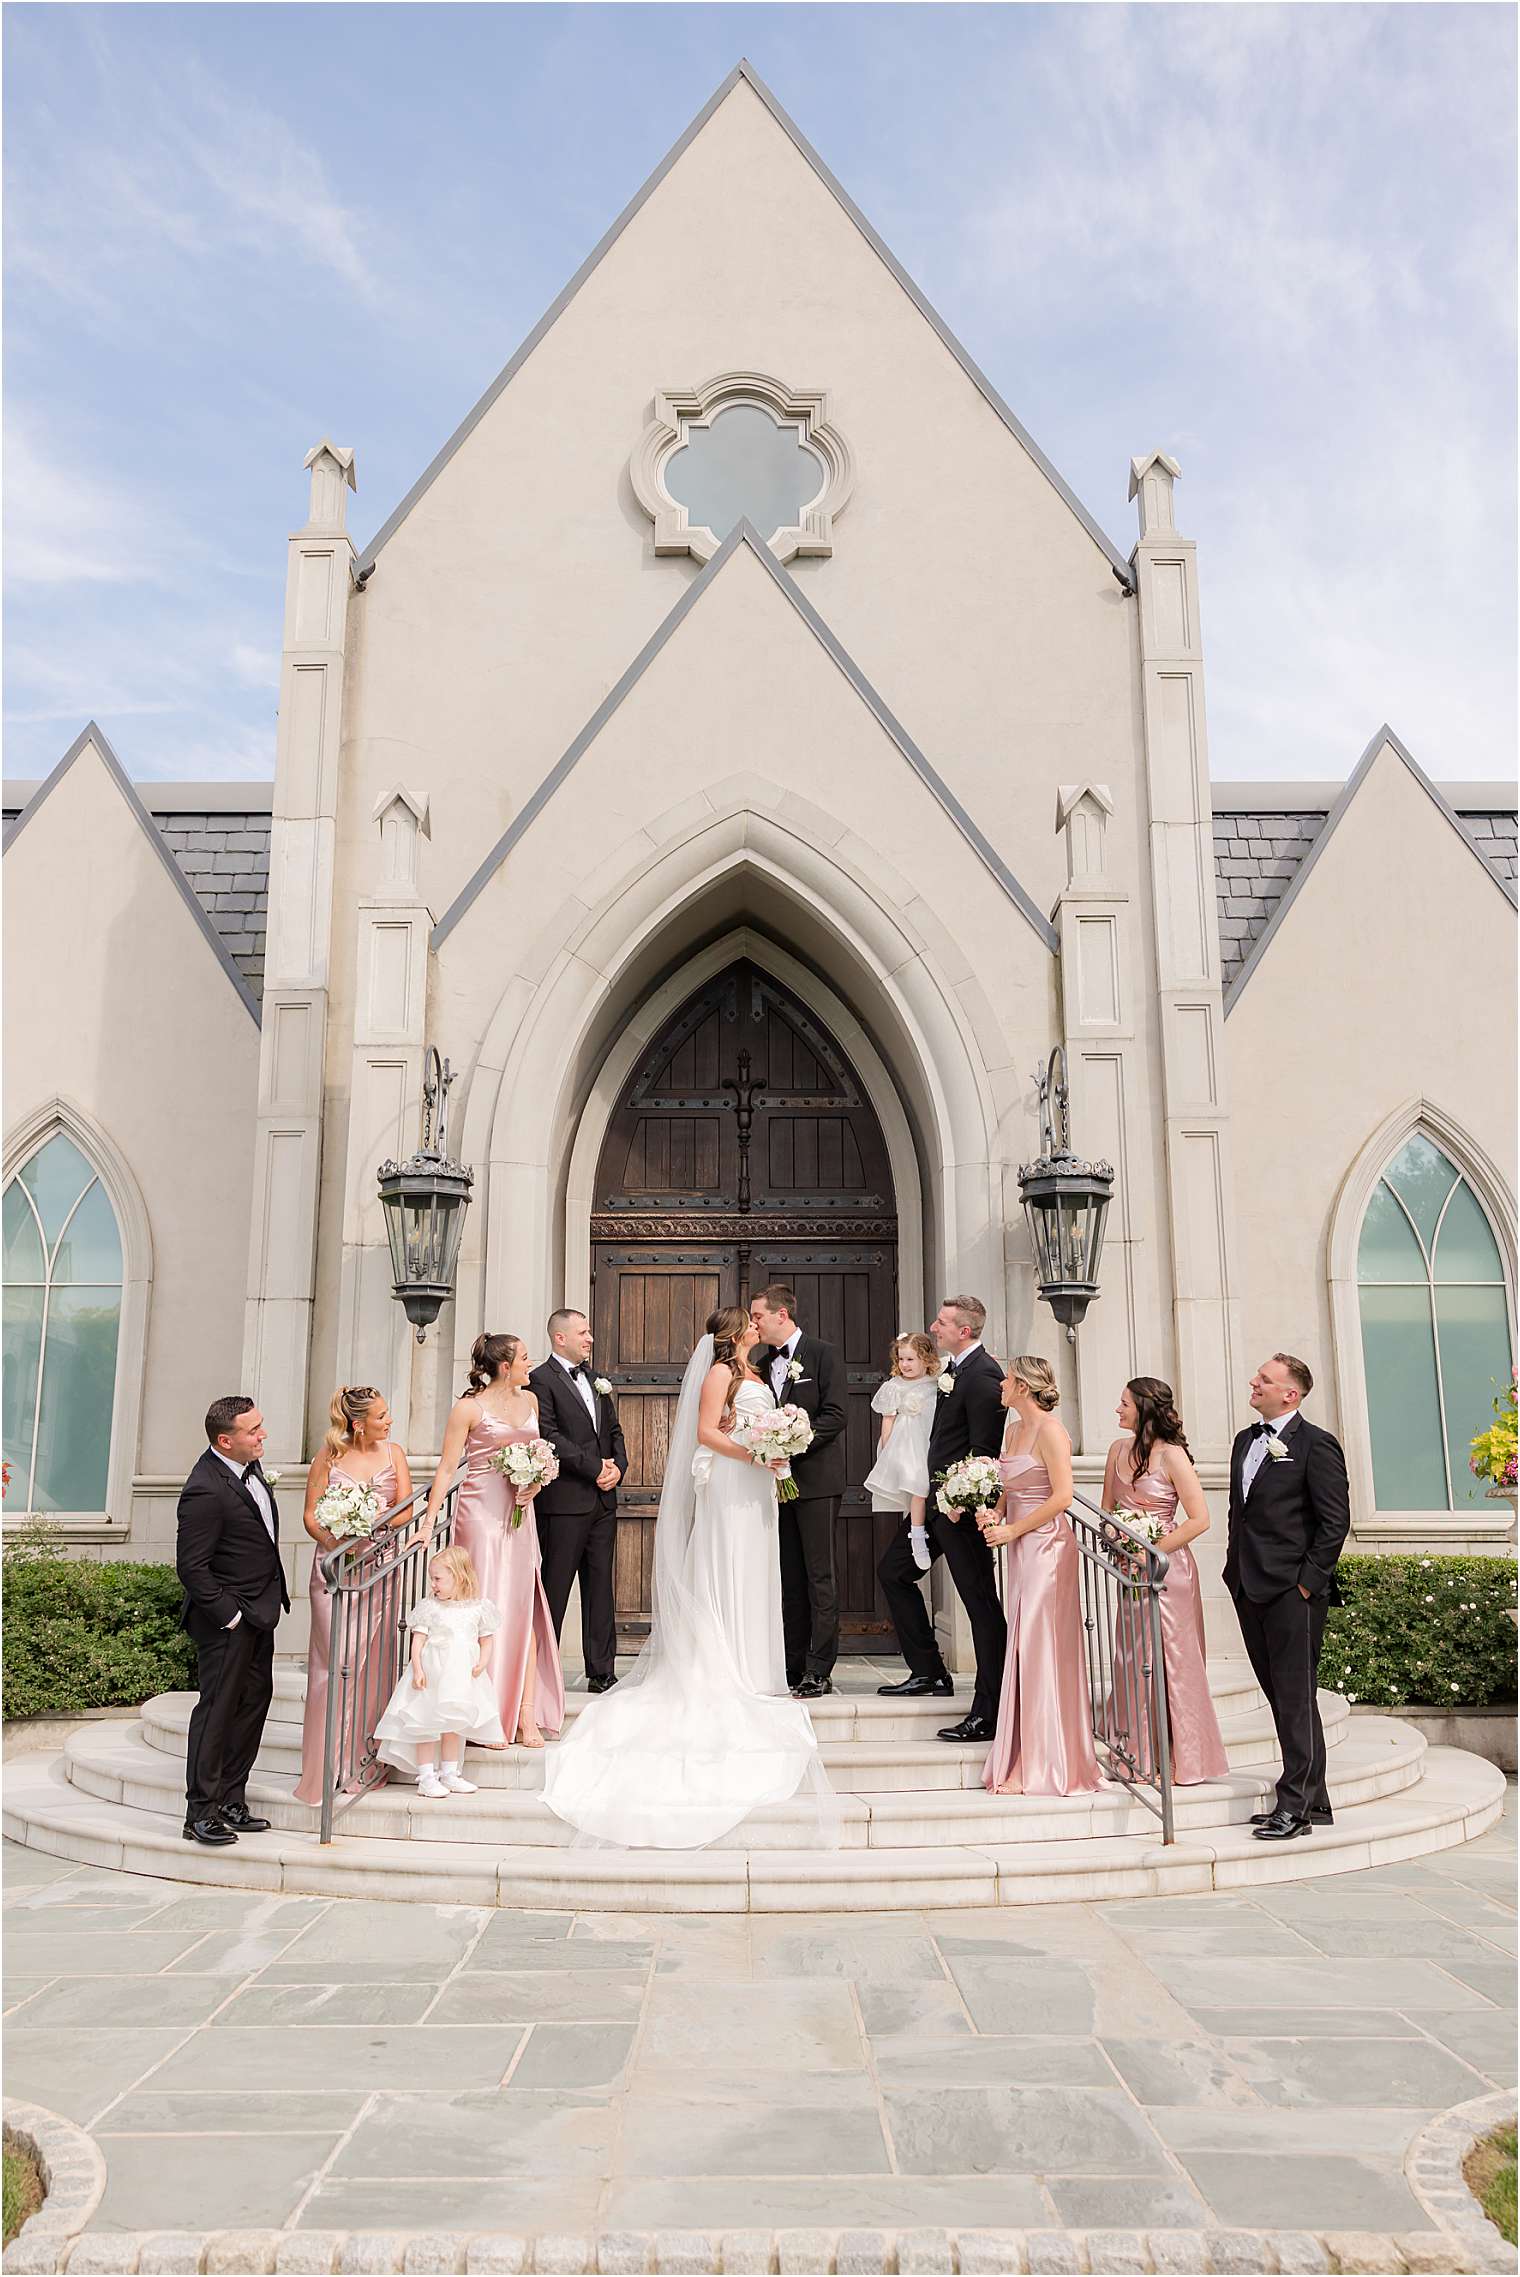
{"x": 581, "y": 1445}
{"x": 224, "y": 1556}
{"x": 819, "y": 1392}
{"x": 1291, "y": 1528}
{"x": 970, "y": 1419}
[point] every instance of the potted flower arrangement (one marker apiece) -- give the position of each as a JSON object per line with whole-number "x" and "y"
{"x": 1494, "y": 1450}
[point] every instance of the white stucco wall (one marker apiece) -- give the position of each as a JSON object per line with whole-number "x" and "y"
{"x": 1389, "y": 981}
{"x": 116, "y": 1003}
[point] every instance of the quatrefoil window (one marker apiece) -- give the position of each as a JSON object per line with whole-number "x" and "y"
{"x": 743, "y": 446}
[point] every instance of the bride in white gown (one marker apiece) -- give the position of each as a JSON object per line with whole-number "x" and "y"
{"x": 702, "y": 1730}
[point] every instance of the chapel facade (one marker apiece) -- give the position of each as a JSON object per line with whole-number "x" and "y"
{"x": 742, "y": 756}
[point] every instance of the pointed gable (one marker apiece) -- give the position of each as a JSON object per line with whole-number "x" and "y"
{"x": 1387, "y": 784}
{"x": 83, "y": 782}
{"x": 778, "y": 721}
{"x": 742, "y": 80}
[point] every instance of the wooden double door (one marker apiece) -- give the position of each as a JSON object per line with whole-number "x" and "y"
{"x": 743, "y": 1151}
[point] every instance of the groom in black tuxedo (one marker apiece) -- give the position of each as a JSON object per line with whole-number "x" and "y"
{"x": 968, "y": 1420}
{"x": 577, "y": 1512}
{"x": 804, "y": 1372}
{"x": 228, "y": 1556}
{"x": 1290, "y": 1511}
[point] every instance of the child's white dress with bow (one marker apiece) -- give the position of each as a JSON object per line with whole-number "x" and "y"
{"x": 901, "y": 1469}
{"x": 454, "y": 1698}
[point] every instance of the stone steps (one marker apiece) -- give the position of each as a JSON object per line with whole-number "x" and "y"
{"x": 865, "y": 1760}
{"x": 117, "y": 1764}
{"x": 1452, "y": 1798}
{"x": 855, "y": 1711}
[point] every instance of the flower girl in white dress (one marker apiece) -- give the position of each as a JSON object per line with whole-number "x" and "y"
{"x": 905, "y": 1403}
{"x": 445, "y": 1696}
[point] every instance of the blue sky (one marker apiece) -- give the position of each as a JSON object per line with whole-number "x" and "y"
{"x": 1279, "y": 243}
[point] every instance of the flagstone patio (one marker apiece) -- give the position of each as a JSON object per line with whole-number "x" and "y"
{"x": 1261, "y": 2061}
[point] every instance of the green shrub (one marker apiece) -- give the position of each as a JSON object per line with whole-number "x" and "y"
{"x": 82, "y": 1635}
{"x": 1432, "y": 1632}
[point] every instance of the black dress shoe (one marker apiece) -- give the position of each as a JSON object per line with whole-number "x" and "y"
{"x": 600, "y": 1683}
{"x": 919, "y": 1688}
{"x": 241, "y": 1819}
{"x": 1320, "y": 1817}
{"x": 1282, "y": 1826}
{"x": 969, "y": 1727}
{"x": 813, "y": 1688}
{"x": 210, "y": 1830}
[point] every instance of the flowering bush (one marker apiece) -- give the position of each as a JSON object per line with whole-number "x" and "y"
{"x": 1493, "y": 1451}
{"x": 1430, "y": 1632}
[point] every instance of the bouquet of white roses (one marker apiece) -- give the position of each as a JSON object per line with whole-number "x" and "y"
{"x": 531, "y": 1462}
{"x": 975, "y": 1483}
{"x": 348, "y": 1511}
{"x": 1145, "y": 1523}
{"x": 784, "y": 1432}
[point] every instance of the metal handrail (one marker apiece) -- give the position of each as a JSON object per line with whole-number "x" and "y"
{"x": 1123, "y": 1576}
{"x": 371, "y": 1589}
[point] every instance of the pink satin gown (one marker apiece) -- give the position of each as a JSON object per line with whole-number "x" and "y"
{"x": 506, "y": 1558}
{"x": 1044, "y": 1743}
{"x": 1197, "y": 1744}
{"x": 373, "y": 1676}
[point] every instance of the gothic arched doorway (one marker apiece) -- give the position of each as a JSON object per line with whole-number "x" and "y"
{"x": 743, "y": 1150}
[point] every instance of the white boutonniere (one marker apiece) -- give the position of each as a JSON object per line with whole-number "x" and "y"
{"x": 945, "y": 1381}
{"x": 272, "y": 1480}
{"x": 794, "y": 1371}
{"x": 601, "y": 1385}
{"x": 1277, "y": 1448}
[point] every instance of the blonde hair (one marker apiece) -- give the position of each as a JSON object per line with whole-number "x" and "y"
{"x": 350, "y": 1404}
{"x": 1039, "y": 1377}
{"x": 461, "y": 1565}
{"x": 922, "y": 1345}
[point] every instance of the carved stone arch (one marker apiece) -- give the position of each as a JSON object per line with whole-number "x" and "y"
{"x": 132, "y": 1222}
{"x": 552, "y": 1029}
{"x": 1497, "y": 1200}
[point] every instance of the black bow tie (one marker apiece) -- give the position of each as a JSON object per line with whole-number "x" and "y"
{"x": 580, "y": 1369}
{"x": 1264, "y": 1430}
{"x": 251, "y": 1470}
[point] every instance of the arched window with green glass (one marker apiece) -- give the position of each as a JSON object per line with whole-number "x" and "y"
{"x": 1437, "y": 1329}
{"x": 63, "y": 1307}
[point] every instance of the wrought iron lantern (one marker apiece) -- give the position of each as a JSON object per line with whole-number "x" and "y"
{"x": 424, "y": 1200}
{"x": 1065, "y": 1203}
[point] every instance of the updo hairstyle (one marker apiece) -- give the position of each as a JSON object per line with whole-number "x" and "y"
{"x": 350, "y": 1404}
{"x": 1039, "y": 1376}
{"x": 488, "y": 1356}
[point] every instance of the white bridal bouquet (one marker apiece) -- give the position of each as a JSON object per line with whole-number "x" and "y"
{"x": 974, "y": 1483}
{"x": 784, "y": 1431}
{"x": 349, "y": 1511}
{"x": 531, "y": 1462}
{"x": 1146, "y": 1524}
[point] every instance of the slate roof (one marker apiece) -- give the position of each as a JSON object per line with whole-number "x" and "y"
{"x": 1259, "y": 842}
{"x": 1262, "y": 834}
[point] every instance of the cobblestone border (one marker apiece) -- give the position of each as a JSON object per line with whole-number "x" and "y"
{"x": 1433, "y": 2170}
{"x": 38, "y": 2252}
{"x": 73, "y": 2176}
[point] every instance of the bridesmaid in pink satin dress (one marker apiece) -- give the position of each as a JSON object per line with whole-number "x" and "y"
{"x": 358, "y": 1447}
{"x": 1044, "y": 1742}
{"x": 1151, "y": 1469}
{"x": 496, "y": 1409}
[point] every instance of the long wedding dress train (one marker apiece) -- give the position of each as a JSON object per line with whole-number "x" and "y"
{"x": 702, "y": 1730}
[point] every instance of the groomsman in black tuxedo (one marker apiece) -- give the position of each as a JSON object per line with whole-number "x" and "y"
{"x": 577, "y": 1512}
{"x": 968, "y": 1420}
{"x": 1290, "y": 1511}
{"x": 227, "y": 1555}
{"x": 804, "y": 1372}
